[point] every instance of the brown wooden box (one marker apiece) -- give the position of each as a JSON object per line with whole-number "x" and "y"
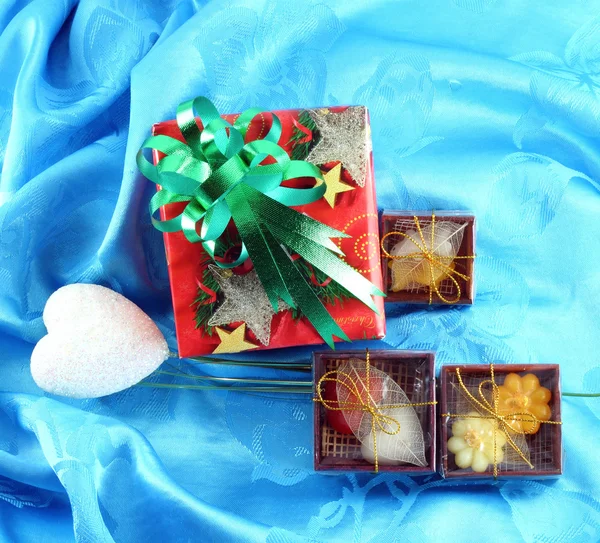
{"x": 403, "y": 221}
{"x": 545, "y": 447}
{"x": 414, "y": 371}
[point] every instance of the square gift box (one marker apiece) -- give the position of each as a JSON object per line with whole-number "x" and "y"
{"x": 408, "y": 276}
{"x": 523, "y": 390}
{"x": 212, "y": 305}
{"x": 413, "y": 424}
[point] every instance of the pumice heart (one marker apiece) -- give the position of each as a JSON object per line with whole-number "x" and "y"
{"x": 98, "y": 343}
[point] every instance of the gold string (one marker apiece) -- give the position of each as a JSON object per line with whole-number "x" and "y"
{"x": 503, "y": 421}
{"x": 433, "y": 260}
{"x": 378, "y": 419}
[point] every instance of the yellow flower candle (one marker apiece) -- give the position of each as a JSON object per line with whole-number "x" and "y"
{"x": 472, "y": 442}
{"x": 524, "y": 395}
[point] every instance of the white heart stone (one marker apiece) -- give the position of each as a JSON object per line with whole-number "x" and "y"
{"x": 98, "y": 343}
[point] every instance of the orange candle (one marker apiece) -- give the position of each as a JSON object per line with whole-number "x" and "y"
{"x": 524, "y": 395}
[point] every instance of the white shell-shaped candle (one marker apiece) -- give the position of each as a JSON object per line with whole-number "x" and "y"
{"x": 98, "y": 343}
{"x": 385, "y": 442}
{"x": 404, "y": 447}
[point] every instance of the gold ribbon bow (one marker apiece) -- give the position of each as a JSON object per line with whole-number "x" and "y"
{"x": 433, "y": 260}
{"x": 490, "y": 411}
{"x": 379, "y": 420}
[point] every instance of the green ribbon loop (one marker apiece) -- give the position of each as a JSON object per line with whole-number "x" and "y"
{"x": 222, "y": 177}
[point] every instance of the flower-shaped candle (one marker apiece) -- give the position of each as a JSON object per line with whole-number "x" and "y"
{"x": 520, "y": 396}
{"x": 474, "y": 444}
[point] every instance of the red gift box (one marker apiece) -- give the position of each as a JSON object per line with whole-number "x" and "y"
{"x": 355, "y": 213}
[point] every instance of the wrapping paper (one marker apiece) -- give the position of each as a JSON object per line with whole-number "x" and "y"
{"x": 355, "y": 213}
{"x": 488, "y": 105}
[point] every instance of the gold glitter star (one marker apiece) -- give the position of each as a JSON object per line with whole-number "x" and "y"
{"x": 233, "y": 342}
{"x": 343, "y": 139}
{"x": 245, "y": 300}
{"x": 334, "y": 184}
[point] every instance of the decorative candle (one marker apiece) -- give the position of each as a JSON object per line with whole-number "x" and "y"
{"x": 403, "y": 445}
{"x": 418, "y": 270}
{"x": 472, "y": 442}
{"x": 524, "y": 395}
{"x": 382, "y": 421}
{"x": 497, "y": 396}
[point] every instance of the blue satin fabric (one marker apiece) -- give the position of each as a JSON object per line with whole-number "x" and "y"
{"x": 487, "y": 105}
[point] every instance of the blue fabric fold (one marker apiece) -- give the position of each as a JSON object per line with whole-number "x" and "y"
{"x": 486, "y": 105}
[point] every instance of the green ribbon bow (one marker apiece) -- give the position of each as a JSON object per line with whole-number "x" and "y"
{"x": 221, "y": 177}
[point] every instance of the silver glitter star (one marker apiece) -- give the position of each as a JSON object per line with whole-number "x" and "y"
{"x": 343, "y": 139}
{"x": 245, "y": 301}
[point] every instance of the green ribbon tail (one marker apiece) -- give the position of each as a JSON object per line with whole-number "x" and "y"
{"x": 309, "y": 238}
{"x": 340, "y": 272}
{"x": 275, "y": 268}
{"x": 305, "y": 297}
{"x": 279, "y": 215}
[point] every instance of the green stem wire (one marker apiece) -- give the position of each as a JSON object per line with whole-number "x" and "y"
{"x": 272, "y": 365}
{"x": 276, "y": 382}
{"x": 242, "y": 384}
{"x": 266, "y": 385}
{"x": 287, "y": 390}
{"x": 299, "y": 366}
